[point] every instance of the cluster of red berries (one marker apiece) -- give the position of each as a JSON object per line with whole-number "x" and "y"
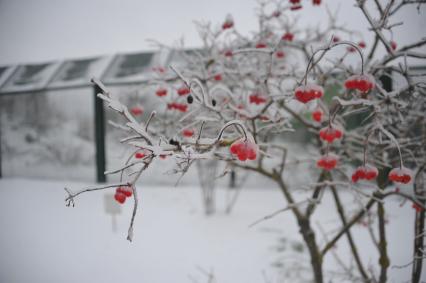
{"x": 244, "y": 149}
{"x": 363, "y": 83}
{"x": 366, "y": 172}
{"x": 417, "y": 207}
{"x": 136, "y": 110}
{"x": 400, "y": 175}
{"x": 161, "y": 92}
{"x": 260, "y": 45}
{"x": 257, "y": 99}
{"x": 288, "y": 36}
{"x": 317, "y": 115}
{"x": 228, "y": 23}
{"x": 188, "y": 133}
{"x": 306, "y": 93}
{"x": 121, "y": 193}
{"x": 295, "y": 5}
{"x": 183, "y": 90}
{"x": 331, "y": 133}
{"x": 177, "y": 106}
{"x": 327, "y": 162}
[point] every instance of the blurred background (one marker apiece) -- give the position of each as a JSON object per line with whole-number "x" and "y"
{"x": 53, "y": 134}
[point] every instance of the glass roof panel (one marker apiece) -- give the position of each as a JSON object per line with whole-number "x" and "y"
{"x": 30, "y": 77}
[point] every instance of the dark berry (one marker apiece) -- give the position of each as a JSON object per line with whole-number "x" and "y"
{"x": 190, "y": 99}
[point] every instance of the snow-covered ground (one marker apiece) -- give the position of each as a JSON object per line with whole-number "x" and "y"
{"x": 42, "y": 240}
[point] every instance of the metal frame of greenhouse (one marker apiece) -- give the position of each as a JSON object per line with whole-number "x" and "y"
{"x": 116, "y": 70}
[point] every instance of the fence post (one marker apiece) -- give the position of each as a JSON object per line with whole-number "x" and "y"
{"x": 99, "y": 136}
{"x": 1, "y": 175}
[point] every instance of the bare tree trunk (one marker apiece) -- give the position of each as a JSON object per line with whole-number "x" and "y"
{"x": 384, "y": 258}
{"x": 316, "y": 258}
{"x": 352, "y": 244}
{"x": 306, "y": 231}
{"x": 419, "y": 227}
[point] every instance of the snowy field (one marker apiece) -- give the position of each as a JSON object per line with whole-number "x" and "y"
{"x": 42, "y": 240}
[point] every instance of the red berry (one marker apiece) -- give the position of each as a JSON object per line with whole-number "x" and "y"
{"x": 417, "y": 207}
{"x": 227, "y": 25}
{"x": 235, "y": 147}
{"x": 351, "y": 49}
{"x": 393, "y": 45}
{"x": 257, "y": 99}
{"x": 295, "y": 7}
{"x": 371, "y": 172}
{"x": 306, "y": 93}
{"x": 336, "y": 39}
{"x": 161, "y": 92}
{"x": 288, "y": 36}
{"x": 136, "y": 110}
{"x": 120, "y": 197}
{"x": 159, "y": 69}
{"x": 317, "y": 115}
{"x": 183, "y": 90}
{"x": 276, "y": 14}
{"x": 316, "y": 2}
{"x": 362, "y": 44}
{"x": 294, "y": 1}
{"x": 188, "y": 133}
{"x": 400, "y": 175}
{"x": 229, "y": 22}
{"x": 217, "y": 77}
{"x": 327, "y": 162}
{"x": 139, "y": 155}
{"x": 228, "y": 53}
{"x": 280, "y": 54}
{"x": 183, "y": 107}
{"x": 260, "y": 45}
{"x": 329, "y": 134}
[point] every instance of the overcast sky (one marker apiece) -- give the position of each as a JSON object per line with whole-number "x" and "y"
{"x": 43, "y": 30}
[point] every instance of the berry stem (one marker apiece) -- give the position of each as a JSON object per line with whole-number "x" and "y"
{"x": 311, "y": 63}
{"x": 305, "y": 77}
{"x": 393, "y": 139}
{"x": 230, "y": 123}
{"x": 354, "y": 46}
{"x": 366, "y": 146}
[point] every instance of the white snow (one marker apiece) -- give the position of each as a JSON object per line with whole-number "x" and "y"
{"x": 42, "y": 240}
